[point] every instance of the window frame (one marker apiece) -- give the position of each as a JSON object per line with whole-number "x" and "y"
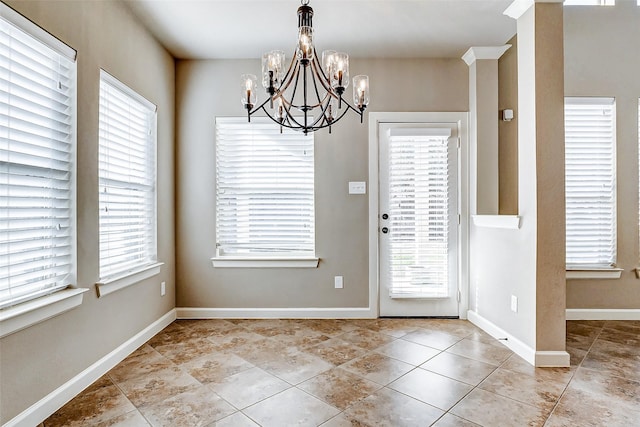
{"x": 637, "y": 270}
{"x": 263, "y": 259}
{"x": 608, "y": 270}
{"x": 38, "y": 308}
{"x": 150, "y": 266}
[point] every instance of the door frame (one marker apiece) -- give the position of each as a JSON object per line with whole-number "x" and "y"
{"x": 462, "y": 119}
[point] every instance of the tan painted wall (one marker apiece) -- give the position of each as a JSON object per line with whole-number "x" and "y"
{"x": 503, "y": 261}
{"x": 39, "y": 359}
{"x": 550, "y": 237}
{"x": 508, "y": 131}
{"x": 602, "y": 58}
{"x": 206, "y": 89}
{"x": 528, "y": 263}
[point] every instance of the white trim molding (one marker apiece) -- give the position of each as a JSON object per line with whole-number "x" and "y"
{"x": 519, "y": 7}
{"x": 21, "y": 316}
{"x": 109, "y": 286}
{"x": 552, "y": 359}
{"x": 36, "y": 31}
{"x": 264, "y": 262}
{"x": 594, "y": 273}
{"x": 603, "y": 314}
{"x": 462, "y": 119}
{"x": 277, "y": 313}
{"x": 49, "y": 404}
{"x": 497, "y": 221}
{"x": 536, "y": 358}
{"x": 484, "y": 52}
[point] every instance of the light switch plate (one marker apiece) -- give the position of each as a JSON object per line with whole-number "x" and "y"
{"x": 357, "y": 187}
{"x": 338, "y": 282}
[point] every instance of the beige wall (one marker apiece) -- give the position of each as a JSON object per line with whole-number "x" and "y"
{"x": 602, "y": 58}
{"x": 206, "y": 89}
{"x": 508, "y": 131}
{"x": 528, "y": 262}
{"x": 37, "y": 360}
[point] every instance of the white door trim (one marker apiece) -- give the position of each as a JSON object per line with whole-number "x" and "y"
{"x": 462, "y": 118}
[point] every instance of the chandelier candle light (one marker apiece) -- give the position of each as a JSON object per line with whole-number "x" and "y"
{"x": 321, "y": 102}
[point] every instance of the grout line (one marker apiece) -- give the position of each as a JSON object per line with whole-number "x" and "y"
{"x": 380, "y": 387}
{"x": 574, "y": 374}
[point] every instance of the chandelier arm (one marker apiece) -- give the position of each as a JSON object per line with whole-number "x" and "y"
{"x": 259, "y": 107}
{"x": 286, "y": 81}
{"x": 337, "y": 119}
{"x": 298, "y": 126}
{"x": 323, "y": 107}
{"x": 291, "y": 66}
{"x": 266, "y": 112}
{"x": 323, "y": 126}
{"x": 295, "y": 87}
{"x": 350, "y": 107}
{"x": 305, "y": 106}
{"x": 286, "y": 122}
{"x": 324, "y": 80}
{"x": 290, "y": 103}
{"x": 315, "y": 87}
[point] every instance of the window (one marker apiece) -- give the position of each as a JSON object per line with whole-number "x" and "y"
{"x": 37, "y": 149}
{"x": 264, "y": 190}
{"x": 590, "y": 181}
{"x": 590, "y": 2}
{"x": 127, "y": 180}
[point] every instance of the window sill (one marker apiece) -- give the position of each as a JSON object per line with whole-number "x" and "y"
{"x": 497, "y": 221}
{"x": 594, "y": 273}
{"x": 21, "y": 316}
{"x": 247, "y": 262}
{"x": 111, "y": 285}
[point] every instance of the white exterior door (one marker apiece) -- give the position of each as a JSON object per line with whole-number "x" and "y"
{"x": 418, "y": 219}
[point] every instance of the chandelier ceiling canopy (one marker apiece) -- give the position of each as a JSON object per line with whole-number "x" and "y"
{"x": 308, "y": 95}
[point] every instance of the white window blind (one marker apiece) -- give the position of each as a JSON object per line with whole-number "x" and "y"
{"x": 422, "y": 200}
{"x": 264, "y": 189}
{"x": 37, "y": 138}
{"x": 127, "y": 179}
{"x": 590, "y": 181}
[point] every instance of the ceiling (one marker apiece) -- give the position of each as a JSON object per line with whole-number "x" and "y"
{"x": 205, "y": 29}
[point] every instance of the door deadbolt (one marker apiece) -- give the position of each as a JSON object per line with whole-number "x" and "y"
{"x": 385, "y": 216}
{"x": 385, "y": 230}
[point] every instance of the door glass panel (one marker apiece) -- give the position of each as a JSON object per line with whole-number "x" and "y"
{"x": 420, "y": 193}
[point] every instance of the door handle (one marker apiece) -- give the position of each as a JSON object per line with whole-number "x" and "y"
{"x": 385, "y": 230}
{"x": 385, "y": 216}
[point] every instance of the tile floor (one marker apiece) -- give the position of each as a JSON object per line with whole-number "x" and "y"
{"x": 386, "y": 372}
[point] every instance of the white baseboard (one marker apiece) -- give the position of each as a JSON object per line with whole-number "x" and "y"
{"x": 602, "y": 314}
{"x": 552, "y": 359}
{"x": 279, "y": 313}
{"x": 49, "y": 404}
{"x": 535, "y": 358}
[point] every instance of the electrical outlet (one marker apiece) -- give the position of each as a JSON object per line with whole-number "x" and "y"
{"x": 357, "y": 187}
{"x": 163, "y": 289}
{"x": 338, "y": 282}
{"x": 514, "y": 303}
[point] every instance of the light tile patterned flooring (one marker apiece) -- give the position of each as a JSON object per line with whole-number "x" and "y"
{"x": 385, "y": 372}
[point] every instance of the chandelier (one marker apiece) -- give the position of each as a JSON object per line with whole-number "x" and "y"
{"x": 311, "y": 89}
